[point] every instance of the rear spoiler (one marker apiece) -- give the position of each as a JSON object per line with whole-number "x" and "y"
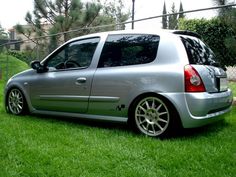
{"x": 186, "y": 32}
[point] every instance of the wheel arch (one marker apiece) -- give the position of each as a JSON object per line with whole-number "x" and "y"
{"x": 163, "y": 98}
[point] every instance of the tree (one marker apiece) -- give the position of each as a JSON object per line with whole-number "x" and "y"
{"x": 173, "y": 19}
{"x": 181, "y": 15}
{"x": 222, "y": 11}
{"x": 114, "y": 10}
{"x": 64, "y": 15}
{"x": 228, "y": 16}
{"x": 60, "y": 16}
{"x": 3, "y": 34}
{"x": 164, "y": 18}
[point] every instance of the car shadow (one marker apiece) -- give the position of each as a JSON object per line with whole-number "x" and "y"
{"x": 204, "y": 131}
{"x": 103, "y": 124}
{"x": 208, "y": 130}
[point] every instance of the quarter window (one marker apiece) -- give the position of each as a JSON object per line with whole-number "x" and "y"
{"x": 122, "y": 50}
{"x": 198, "y": 52}
{"x": 77, "y": 54}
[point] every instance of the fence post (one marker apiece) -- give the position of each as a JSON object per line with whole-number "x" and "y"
{"x": 37, "y": 50}
{"x": 7, "y": 65}
{"x": 133, "y": 1}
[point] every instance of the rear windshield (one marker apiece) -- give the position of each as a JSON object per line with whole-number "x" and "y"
{"x": 198, "y": 52}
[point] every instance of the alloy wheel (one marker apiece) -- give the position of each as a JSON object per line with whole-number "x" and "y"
{"x": 15, "y": 101}
{"x": 152, "y": 116}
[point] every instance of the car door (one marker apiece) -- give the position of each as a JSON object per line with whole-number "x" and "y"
{"x": 65, "y": 87}
{"x": 121, "y": 72}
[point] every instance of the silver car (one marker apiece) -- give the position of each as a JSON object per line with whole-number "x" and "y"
{"x": 155, "y": 81}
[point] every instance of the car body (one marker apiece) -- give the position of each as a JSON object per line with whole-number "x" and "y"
{"x": 150, "y": 79}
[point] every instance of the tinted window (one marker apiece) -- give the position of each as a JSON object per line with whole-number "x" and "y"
{"x": 122, "y": 50}
{"x": 74, "y": 55}
{"x": 198, "y": 52}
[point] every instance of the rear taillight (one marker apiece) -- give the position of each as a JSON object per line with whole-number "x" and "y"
{"x": 193, "y": 81}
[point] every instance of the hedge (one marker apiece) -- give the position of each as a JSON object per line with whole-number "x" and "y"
{"x": 219, "y": 36}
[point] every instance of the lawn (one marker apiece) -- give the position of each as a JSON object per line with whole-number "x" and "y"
{"x": 232, "y": 86}
{"x": 49, "y": 146}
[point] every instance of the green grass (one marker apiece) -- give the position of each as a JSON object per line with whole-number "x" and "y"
{"x": 232, "y": 86}
{"x": 14, "y": 66}
{"x": 33, "y": 146}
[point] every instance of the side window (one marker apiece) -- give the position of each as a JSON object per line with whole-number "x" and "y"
{"x": 57, "y": 59}
{"x": 122, "y": 50}
{"x": 77, "y": 54}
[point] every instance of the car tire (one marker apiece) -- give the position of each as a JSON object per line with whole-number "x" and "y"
{"x": 15, "y": 102}
{"x": 152, "y": 116}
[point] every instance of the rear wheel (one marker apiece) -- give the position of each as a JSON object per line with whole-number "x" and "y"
{"x": 16, "y": 103}
{"x": 152, "y": 116}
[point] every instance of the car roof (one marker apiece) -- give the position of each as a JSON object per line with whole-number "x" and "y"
{"x": 152, "y": 32}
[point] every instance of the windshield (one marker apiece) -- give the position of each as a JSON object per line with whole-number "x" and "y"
{"x": 198, "y": 52}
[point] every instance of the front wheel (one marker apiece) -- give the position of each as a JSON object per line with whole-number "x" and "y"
{"x": 16, "y": 103}
{"x": 152, "y": 116}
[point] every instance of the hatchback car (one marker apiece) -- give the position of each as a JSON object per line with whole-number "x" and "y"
{"x": 152, "y": 80}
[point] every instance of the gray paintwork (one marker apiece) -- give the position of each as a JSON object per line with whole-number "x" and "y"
{"x": 107, "y": 93}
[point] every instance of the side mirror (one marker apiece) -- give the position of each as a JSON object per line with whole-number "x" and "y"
{"x": 36, "y": 65}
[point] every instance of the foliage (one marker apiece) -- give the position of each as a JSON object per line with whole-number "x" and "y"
{"x": 60, "y": 16}
{"x": 164, "y": 18}
{"x": 3, "y": 34}
{"x": 181, "y": 9}
{"x": 216, "y": 33}
{"x": 114, "y": 10}
{"x": 171, "y": 21}
{"x": 222, "y": 11}
{"x": 229, "y": 17}
{"x": 25, "y": 56}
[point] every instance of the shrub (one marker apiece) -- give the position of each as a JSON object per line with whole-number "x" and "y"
{"x": 25, "y": 56}
{"x": 219, "y": 35}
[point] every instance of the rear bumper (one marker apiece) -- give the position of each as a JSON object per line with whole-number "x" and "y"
{"x": 198, "y": 109}
{"x": 194, "y": 121}
{"x": 202, "y": 104}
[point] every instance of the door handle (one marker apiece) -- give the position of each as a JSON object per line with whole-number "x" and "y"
{"x": 81, "y": 80}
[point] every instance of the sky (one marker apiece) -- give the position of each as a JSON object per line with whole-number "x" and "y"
{"x": 13, "y": 12}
